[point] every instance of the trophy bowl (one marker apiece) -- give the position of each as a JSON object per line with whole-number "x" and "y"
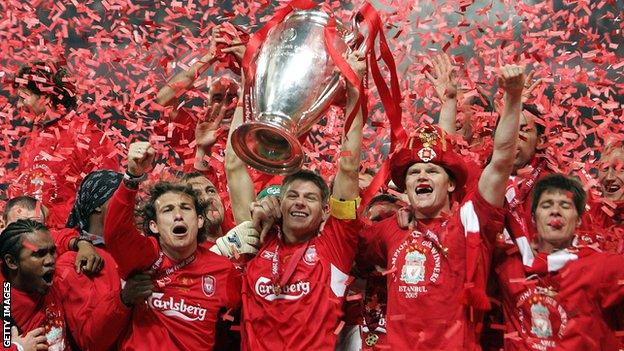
{"x": 294, "y": 83}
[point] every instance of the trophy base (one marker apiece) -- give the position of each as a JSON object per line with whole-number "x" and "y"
{"x": 267, "y": 148}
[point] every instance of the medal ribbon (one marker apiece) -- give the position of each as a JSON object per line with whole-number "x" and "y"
{"x": 169, "y": 271}
{"x": 279, "y": 282}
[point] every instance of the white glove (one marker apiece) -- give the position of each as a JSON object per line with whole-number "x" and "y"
{"x": 242, "y": 239}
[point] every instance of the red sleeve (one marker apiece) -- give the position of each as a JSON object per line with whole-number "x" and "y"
{"x": 340, "y": 238}
{"x": 611, "y": 289}
{"x": 478, "y": 215}
{"x": 95, "y": 317}
{"x": 131, "y": 250}
{"x": 234, "y": 287}
{"x": 372, "y": 246}
{"x": 62, "y": 238}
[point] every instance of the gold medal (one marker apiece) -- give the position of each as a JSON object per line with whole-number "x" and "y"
{"x": 371, "y": 339}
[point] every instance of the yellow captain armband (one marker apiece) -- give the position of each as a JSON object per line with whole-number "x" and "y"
{"x": 344, "y": 209}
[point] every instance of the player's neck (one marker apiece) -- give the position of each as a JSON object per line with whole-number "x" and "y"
{"x": 291, "y": 238}
{"x": 551, "y": 246}
{"x": 432, "y": 213}
{"x": 179, "y": 254}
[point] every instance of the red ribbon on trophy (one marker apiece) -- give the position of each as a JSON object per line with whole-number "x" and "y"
{"x": 390, "y": 94}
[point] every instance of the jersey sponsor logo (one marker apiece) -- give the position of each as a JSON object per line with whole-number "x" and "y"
{"x": 294, "y": 291}
{"x": 176, "y": 308}
{"x": 208, "y": 285}
{"x": 310, "y": 257}
{"x": 418, "y": 264}
{"x": 541, "y": 317}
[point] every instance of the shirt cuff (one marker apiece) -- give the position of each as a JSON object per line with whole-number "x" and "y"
{"x": 344, "y": 209}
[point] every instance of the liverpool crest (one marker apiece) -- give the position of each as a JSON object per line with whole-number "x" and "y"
{"x": 413, "y": 270}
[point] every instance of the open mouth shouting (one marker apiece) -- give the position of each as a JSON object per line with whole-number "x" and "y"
{"x": 48, "y": 277}
{"x": 423, "y": 189}
{"x": 179, "y": 229}
{"x": 611, "y": 187}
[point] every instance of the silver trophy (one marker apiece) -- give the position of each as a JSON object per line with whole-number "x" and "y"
{"x": 294, "y": 83}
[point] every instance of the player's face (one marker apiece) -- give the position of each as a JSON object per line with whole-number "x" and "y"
{"x": 527, "y": 143}
{"x": 224, "y": 90}
{"x": 428, "y": 187}
{"x": 210, "y": 198}
{"x": 302, "y": 208}
{"x": 177, "y": 223}
{"x": 31, "y": 102}
{"x": 611, "y": 174}
{"x": 36, "y": 263}
{"x": 556, "y": 217}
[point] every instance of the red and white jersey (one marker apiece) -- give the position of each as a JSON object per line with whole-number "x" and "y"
{"x": 426, "y": 278}
{"x": 181, "y": 313}
{"x": 564, "y": 308}
{"x": 32, "y": 311}
{"x": 305, "y": 315}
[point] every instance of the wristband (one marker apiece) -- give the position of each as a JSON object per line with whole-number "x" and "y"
{"x": 131, "y": 181}
{"x": 132, "y": 178}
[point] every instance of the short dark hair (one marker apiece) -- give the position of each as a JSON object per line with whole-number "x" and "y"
{"x": 188, "y": 176}
{"x": 532, "y": 109}
{"x": 308, "y": 176}
{"x": 25, "y": 201}
{"x": 540, "y": 129}
{"x": 560, "y": 182}
{"x": 61, "y": 94}
{"x": 148, "y": 210}
{"x": 382, "y": 198}
{"x": 12, "y": 238}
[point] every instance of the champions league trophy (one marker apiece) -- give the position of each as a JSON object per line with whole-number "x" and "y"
{"x": 294, "y": 83}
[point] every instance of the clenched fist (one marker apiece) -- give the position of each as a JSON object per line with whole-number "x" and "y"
{"x": 140, "y": 158}
{"x": 511, "y": 80}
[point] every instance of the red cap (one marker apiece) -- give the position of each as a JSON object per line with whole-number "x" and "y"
{"x": 429, "y": 143}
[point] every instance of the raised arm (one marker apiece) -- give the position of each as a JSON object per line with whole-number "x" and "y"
{"x": 240, "y": 184}
{"x": 131, "y": 250}
{"x": 445, "y": 86}
{"x": 346, "y": 183}
{"x": 495, "y": 176}
{"x": 181, "y": 82}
